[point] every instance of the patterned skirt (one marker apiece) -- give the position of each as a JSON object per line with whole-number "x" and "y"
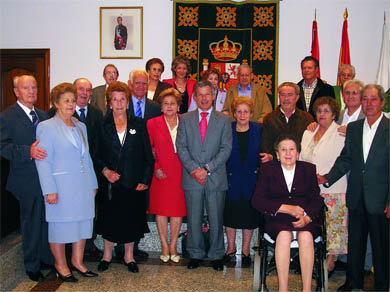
{"x": 336, "y": 223}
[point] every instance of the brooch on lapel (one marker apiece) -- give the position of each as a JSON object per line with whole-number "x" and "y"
{"x": 132, "y": 131}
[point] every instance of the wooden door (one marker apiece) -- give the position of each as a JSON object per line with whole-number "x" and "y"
{"x": 16, "y": 62}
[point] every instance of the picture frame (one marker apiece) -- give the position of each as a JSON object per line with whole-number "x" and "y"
{"x": 121, "y": 32}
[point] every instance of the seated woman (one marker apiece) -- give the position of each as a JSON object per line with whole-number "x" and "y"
{"x": 181, "y": 68}
{"x": 166, "y": 195}
{"x": 288, "y": 195}
{"x": 242, "y": 176}
{"x": 155, "y": 67}
{"x": 68, "y": 182}
{"x": 126, "y": 161}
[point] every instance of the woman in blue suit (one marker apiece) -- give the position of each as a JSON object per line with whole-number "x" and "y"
{"x": 242, "y": 176}
{"x": 68, "y": 182}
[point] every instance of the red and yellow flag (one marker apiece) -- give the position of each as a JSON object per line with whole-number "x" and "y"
{"x": 315, "y": 48}
{"x": 345, "y": 57}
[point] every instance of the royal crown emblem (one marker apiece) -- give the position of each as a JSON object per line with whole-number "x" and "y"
{"x": 225, "y": 50}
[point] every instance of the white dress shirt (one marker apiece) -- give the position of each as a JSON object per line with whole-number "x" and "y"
{"x": 368, "y": 135}
{"x": 348, "y": 119}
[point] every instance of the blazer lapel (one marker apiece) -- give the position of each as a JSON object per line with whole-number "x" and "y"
{"x": 196, "y": 126}
{"x": 23, "y": 117}
{"x": 211, "y": 126}
{"x": 62, "y": 128}
{"x": 378, "y": 140}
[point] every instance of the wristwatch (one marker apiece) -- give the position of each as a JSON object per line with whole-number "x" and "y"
{"x": 207, "y": 170}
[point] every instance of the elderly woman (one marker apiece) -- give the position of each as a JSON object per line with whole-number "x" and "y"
{"x": 166, "y": 195}
{"x": 181, "y": 67}
{"x": 322, "y": 147}
{"x": 212, "y": 75}
{"x": 68, "y": 182}
{"x": 155, "y": 67}
{"x": 288, "y": 195}
{"x": 242, "y": 175}
{"x": 126, "y": 161}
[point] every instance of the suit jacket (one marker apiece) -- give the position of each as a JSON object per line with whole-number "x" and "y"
{"x": 214, "y": 152}
{"x": 161, "y": 86}
{"x": 190, "y": 87}
{"x": 271, "y": 192}
{"x": 98, "y": 98}
{"x": 67, "y": 170}
{"x": 259, "y": 97}
{"x": 135, "y": 162}
{"x": 242, "y": 177}
{"x": 367, "y": 180}
{"x": 341, "y": 116}
{"x": 325, "y": 154}
{"x": 17, "y": 133}
{"x": 322, "y": 89}
{"x": 152, "y": 110}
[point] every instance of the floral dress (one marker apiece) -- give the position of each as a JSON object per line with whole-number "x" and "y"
{"x": 336, "y": 216}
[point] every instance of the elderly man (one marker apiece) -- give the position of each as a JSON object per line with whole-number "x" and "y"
{"x": 366, "y": 155}
{"x": 139, "y": 105}
{"x": 19, "y": 145}
{"x": 311, "y": 87}
{"x": 244, "y": 87}
{"x": 204, "y": 143}
{"x": 98, "y": 98}
{"x": 346, "y": 72}
{"x": 285, "y": 119}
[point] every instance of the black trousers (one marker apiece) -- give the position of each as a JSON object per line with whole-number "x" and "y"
{"x": 360, "y": 223}
{"x": 34, "y": 229}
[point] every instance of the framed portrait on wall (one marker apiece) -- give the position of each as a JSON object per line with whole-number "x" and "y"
{"x": 121, "y": 32}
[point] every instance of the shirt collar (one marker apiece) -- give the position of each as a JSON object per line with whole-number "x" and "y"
{"x": 375, "y": 125}
{"x": 284, "y": 112}
{"x": 25, "y": 108}
{"x": 135, "y": 100}
{"x": 311, "y": 86}
{"x": 249, "y": 87}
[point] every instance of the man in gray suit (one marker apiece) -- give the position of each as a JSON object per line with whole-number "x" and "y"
{"x": 98, "y": 98}
{"x": 204, "y": 143}
{"x": 18, "y": 144}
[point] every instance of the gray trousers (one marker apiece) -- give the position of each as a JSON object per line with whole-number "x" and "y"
{"x": 214, "y": 202}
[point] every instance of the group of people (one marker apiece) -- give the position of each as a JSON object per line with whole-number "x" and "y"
{"x": 179, "y": 148}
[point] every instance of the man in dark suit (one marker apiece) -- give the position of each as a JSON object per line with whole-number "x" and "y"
{"x": 18, "y": 145}
{"x": 98, "y": 98}
{"x": 311, "y": 87}
{"x": 120, "y": 37}
{"x": 204, "y": 143}
{"x": 366, "y": 156}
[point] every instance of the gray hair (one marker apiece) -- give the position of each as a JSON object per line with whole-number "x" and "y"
{"x": 15, "y": 80}
{"x": 138, "y": 72}
{"x": 349, "y": 66}
{"x": 379, "y": 88}
{"x": 353, "y": 81}
{"x": 201, "y": 84}
{"x": 290, "y": 84}
{"x": 243, "y": 66}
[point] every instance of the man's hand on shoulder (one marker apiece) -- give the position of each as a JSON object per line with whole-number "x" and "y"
{"x": 36, "y": 152}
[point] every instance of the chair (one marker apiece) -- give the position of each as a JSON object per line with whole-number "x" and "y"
{"x": 265, "y": 264}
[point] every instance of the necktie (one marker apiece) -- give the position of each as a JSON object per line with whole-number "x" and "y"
{"x": 203, "y": 125}
{"x": 138, "y": 111}
{"x": 82, "y": 114}
{"x": 35, "y": 119}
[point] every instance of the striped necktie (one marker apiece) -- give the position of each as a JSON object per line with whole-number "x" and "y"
{"x": 35, "y": 119}
{"x": 138, "y": 111}
{"x": 82, "y": 114}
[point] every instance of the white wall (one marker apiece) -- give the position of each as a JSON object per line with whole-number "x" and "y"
{"x": 70, "y": 28}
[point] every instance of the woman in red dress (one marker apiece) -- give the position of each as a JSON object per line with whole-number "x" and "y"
{"x": 166, "y": 195}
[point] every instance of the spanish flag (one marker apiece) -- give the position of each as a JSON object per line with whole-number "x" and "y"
{"x": 315, "y": 48}
{"x": 345, "y": 57}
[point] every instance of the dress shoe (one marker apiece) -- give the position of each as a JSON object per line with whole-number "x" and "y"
{"x": 217, "y": 265}
{"x": 246, "y": 260}
{"x": 35, "y": 276}
{"x": 68, "y": 278}
{"x": 175, "y": 258}
{"x": 194, "y": 264}
{"x": 348, "y": 287}
{"x": 164, "y": 258}
{"x": 140, "y": 254}
{"x": 103, "y": 265}
{"x": 87, "y": 274}
{"x": 132, "y": 267}
{"x": 229, "y": 256}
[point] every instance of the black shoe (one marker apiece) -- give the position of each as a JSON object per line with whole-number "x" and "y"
{"x": 103, "y": 265}
{"x": 194, "y": 264}
{"x": 68, "y": 278}
{"x": 140, "y": 254}
{"x": 217, "y": 265}
{"x": 347, "y": 287}
{"x": 35, "y": 276}
{"x": 245, "y": 260}
{"x": 132, "y": 267}
{"x": 229, "y": 256}
{"x": 87, "y": 274}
